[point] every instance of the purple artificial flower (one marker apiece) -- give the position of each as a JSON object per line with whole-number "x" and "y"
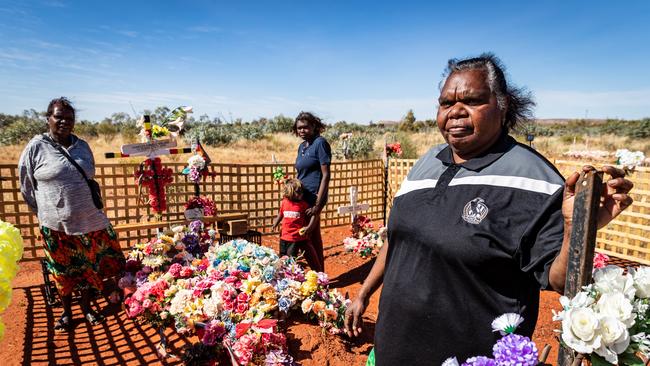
{"x": 277, "y": 357}
{"x": 515, "y": 350}
{"x": 195, "y": 175}
{"x": 479, "y": 361}
{"x": 196, "y": 226}
{"x": 322, "y": 279}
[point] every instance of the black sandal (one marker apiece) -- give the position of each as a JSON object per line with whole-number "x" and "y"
{"x": 94, "y": 318}
{"x": 64, "y": 324}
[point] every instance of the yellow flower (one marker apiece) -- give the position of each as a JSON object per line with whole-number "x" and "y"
{"x": 268, "y": 305}
{"x": 311, "y": 276}
{"x": 167, "y": 239}
{"x": 306, "y": 289}
{"x": 158, "y": 131}
{"x": 249, "y": 285}
{"x": 5, "y": 294}
{"x": 10, "y": 241}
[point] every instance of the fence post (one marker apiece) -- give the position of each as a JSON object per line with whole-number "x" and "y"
{"x": 582, "y": 242}
{"x": 386, "y": 182}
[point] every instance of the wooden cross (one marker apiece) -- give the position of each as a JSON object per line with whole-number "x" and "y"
{"x": 151, "y": 149}
{"x": 354, "y": 206}
{"x": 582, "y": 244}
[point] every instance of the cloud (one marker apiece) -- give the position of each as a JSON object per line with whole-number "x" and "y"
{"x": 628, "y": 104}
{"x": 204, "y": 29}
{"x": 127, "y": 33}
{"x": 55, "y": 4}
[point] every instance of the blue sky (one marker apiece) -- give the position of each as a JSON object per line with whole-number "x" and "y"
{"x": 345, "y": 60}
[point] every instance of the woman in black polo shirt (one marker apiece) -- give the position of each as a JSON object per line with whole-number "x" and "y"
{"x": 478, "y": 227}
{"x": 313, "y": 167}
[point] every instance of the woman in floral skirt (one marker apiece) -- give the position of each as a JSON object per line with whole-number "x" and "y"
{"x": 81, "y": 247}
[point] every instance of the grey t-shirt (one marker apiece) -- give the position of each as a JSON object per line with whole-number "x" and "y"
{"x": 56, "y": 191}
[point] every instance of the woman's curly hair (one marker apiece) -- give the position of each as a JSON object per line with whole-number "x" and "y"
{"x": 62, "y": 102}
{"x": 518, "y": 102}
{"x": 311, "y": 119}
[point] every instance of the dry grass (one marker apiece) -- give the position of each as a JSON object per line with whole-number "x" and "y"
{"x": 284, "y": 146}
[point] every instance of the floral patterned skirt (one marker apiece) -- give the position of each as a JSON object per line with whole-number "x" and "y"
{"x": 81, "y": 261}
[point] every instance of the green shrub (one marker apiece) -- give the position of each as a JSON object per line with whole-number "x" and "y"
{"x": 250, "y": 131}
{"x": 85, "y": 129}
{"x": 279, "y": 124}
{"x": 21, "y": 131}
{"x": 210, "y": 134}
{"x": 358, "y": 147}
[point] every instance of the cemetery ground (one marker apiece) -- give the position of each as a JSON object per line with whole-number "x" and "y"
{"x": 30, "y": 339}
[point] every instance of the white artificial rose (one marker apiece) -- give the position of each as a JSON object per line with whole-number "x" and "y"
{"x": 580, "y": 330}
{"x": 615, "y": 339}
{"x": 612, "y": 279}
{"x": 580, "y": 300}
{"x": 614, "y": 334}
{"x": 616, "y": 305}
{"x": 451, "y": 361}
{"x": 641, "y": 277}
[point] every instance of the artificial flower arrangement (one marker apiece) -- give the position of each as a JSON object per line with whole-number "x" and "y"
{"x": 11, "y": 250}
{"x": 628, "y": 159}
{"x": 171, "y": 125}
{"x": 365, "y": 240}
{"x": 511, "y": 349}
{"x": 394, "y": 150}
{"x": 230, "y": 295}
{"x": 279, "y": 175}
{"x": 152, "y": 175}
{"x": 204, "y": 204}
{"x": 609, "y": 320}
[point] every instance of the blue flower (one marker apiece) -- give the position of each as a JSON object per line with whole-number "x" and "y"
{"x": 284, "y": 304}
{"x": 269, "y": 273}
{"x": 282, "y": 284}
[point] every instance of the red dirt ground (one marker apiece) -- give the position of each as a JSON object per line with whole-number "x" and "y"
{"x": 30, "y": 340}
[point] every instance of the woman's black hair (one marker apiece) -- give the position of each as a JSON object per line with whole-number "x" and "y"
{"x": 518, "y": 102}
{"x": 63, "y": 102}
{"x": 311, "y": 119}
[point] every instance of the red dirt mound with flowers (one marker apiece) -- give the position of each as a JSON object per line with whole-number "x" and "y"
{"x": 30, "y": 340}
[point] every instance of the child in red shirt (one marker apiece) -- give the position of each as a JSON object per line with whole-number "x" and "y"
{"x": 295, "y": 230}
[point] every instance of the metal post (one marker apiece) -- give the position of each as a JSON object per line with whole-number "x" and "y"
{"x": 582, "y": 242}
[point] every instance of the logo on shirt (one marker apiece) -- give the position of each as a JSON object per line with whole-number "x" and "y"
{"x": 292, "y": 214}
{"x": 475, "y": 211}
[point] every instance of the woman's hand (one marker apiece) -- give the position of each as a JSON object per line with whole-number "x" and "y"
{"x": 353, "y": 316}
{"x": 314, "y": 210}
{"x": 615, "y": 196}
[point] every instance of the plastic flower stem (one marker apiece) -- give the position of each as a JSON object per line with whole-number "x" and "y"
{"x": 197, "y": 189}
{"x": 578, "y": 360}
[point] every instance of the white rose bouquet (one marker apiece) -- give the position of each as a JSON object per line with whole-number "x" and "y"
{"x": 629, "y": 159}
{"x": 609, "y": 320}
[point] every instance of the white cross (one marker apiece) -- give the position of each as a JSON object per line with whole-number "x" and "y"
{"x": 354, "y": 207}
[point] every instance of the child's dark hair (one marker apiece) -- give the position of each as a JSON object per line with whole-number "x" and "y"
{"x": 292, "y": 189}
